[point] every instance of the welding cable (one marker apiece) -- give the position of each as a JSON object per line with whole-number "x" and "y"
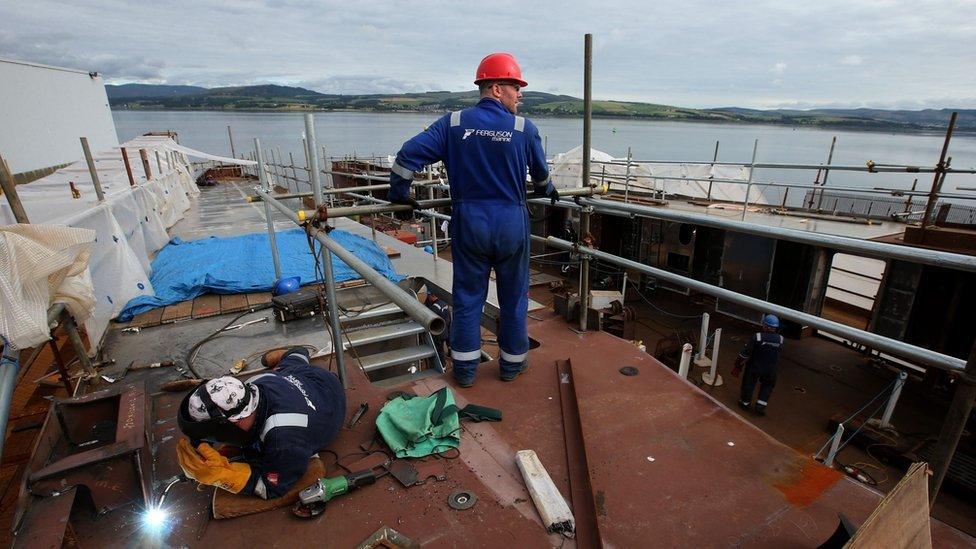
{"x": 192, "y": 353}
{"x": 686, "y": 317}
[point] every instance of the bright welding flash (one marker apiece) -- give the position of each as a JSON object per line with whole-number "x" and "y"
{"x": 155, "y": 518}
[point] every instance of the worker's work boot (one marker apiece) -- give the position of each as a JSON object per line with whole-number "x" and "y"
{"x": 511, "y": 375}
{"x": 464, "y": 372}
{"x": 761, "y": 408}
{"x": 272, "y": 358}
{"x": 745, "y": 405}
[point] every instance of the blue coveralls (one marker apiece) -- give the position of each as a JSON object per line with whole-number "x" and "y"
{"x": 300, "y": 410}
{"x": 487, "y": 151}
{"x": 761, "y": 354}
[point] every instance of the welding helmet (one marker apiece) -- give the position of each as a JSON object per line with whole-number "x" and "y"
{"x": 770, "y": 321}
{"x": 202, "y": 419}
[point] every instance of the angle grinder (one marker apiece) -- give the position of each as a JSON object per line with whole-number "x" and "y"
{"x": 312, "y": 500}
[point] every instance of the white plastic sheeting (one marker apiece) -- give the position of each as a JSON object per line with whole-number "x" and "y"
{"x": 567, "y": 172}
{"x": 42, "y": 264}
{"x": 128, "y": 228}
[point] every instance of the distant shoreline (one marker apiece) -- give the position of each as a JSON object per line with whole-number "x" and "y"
{"x": 874, "y": 128}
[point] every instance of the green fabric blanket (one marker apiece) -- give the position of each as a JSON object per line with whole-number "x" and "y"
{"x": 415, "y": 427}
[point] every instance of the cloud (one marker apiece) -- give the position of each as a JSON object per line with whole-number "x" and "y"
{"x": 673, "y": 52}
{"x": 366, "y": 84}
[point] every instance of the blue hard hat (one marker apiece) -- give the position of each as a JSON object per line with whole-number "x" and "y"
{"x": 286, "y": 285}
{"x": 771, "y": 320}
{"x": 428, "y": 249}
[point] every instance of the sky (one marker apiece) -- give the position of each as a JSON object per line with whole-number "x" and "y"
{"x": 691, "y": 53}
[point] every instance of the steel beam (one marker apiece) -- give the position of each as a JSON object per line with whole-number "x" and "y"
{"x": 408, "y": 303}
{"x": 868, "y": 339}
{"x": 839, "y": 243}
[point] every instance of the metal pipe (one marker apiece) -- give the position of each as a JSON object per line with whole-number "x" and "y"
{"x": 584, "y": 289}
{"x": 408, "y": 303}
{"x": 868, "y": 339}
{"x": 313, "y": 159}
{"x": 92, "y": 170}
{"x": 272, "y": 240}
{"x": 710, "y": 167}
{"x": 384, "y": 206}
{"x": 627, "y": 180}
{"x": 10, "y": 191}
{"x": 940, "y": 170}
{"x": 873, "y": 190}
{"x": 835, "y": 242}
{"x": 68, "y": 322}
{"x": 685, "y": 362}
{"x": 9, "y": 366}
{"x": 752, "y": 169}
{"x": 230, "y": 136}
{"x": 427, "y": 213}
{"x": 873, "y": 168}
{"x": 702, "y": 337}
{"x": 893, "y": 400}
{"x": 830, "y": 158}
{"x": 953, "y": 426}
{"x": 338, "y": 349}
{"x": 716, "y": 341}
{"x": 834, "y": 445}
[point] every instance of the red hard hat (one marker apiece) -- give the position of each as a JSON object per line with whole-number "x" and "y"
{"x": 499, "y": 66}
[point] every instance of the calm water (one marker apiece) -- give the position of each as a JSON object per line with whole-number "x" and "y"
{"x": 365, "y": 134}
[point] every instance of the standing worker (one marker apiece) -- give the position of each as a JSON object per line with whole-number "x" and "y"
{"x": 487, "y": 150}
{"x": 760, "y": 357}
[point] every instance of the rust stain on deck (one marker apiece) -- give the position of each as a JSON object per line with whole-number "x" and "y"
{"x": 805, "y": 484}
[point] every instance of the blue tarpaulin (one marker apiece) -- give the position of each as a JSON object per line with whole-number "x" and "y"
{"x": 241, "y": 264}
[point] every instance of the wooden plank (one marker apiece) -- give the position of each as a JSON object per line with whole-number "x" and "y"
{"x": 391, "y": 252}
{"x": 233, "y": 303}
{"x": 902, "y": 517}
{"x": 258, "y": 298}
{"x": 179, "y": 311}
{"x": 206, "y": 305}
{"x": 148, "y": 318}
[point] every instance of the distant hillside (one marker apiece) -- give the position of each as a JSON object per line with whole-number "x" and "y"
{"x": 287, "y": 98}
{"x": 129, "y": 91}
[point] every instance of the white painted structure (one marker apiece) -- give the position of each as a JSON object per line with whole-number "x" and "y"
{"x": 43, "y": 112}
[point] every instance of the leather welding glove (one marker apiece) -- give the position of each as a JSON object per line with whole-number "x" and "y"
{"x": 406, "y": 215}
{"x": 547, "y": 191}
{"x": 206, "y": 466}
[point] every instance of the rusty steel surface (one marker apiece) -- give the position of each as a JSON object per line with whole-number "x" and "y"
{"x": 697, "y": 490}
{"x": 111, "y": 467}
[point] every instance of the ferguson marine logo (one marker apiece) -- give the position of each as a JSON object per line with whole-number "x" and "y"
{"x": 495, "y": 135}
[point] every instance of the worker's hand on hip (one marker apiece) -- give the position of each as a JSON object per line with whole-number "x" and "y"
{"x": 206, "y": 466}
{"x": 406, "y": 215}
{"x": 547, "y": 192}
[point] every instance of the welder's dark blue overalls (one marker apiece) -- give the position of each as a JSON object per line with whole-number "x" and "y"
{"x": 300, "y": 410}
{"x": 487, "y": 151}
{"x": 761, "y": 354}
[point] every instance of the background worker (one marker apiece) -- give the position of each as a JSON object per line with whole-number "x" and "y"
{"x": 760, "y": 357}
{"x": 279, "y": 420}
{"x": 487, "y": 150}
